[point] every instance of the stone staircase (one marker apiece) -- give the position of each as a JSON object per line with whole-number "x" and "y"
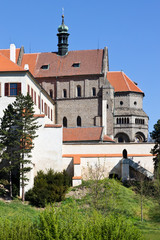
{"x": 140, "y": 169}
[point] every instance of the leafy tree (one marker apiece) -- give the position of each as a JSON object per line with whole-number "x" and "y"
{"x": 18, "y": 130}
{"x": 155, "y": 134}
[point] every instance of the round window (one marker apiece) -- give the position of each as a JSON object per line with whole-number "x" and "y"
{"x": 121, "y": 102}
{"x": 135, "y": 103}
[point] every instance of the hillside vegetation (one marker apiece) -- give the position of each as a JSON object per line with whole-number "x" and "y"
{"x": 94, "y": 210}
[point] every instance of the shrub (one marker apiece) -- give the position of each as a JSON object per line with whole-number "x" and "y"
{"x": 48, "y": 188}
{"x": 68, "y": 223}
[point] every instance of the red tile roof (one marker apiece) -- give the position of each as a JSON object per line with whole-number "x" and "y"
{"x": 31, "y": 60}
{"x": 7, "y": 65}
{"x": 122, "y": 83}
{"x": 90, "y": 63}
{"x": 6, "y": 52}
{"x": 83, "y": 134}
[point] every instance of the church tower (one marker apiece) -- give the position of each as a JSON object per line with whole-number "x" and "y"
{"x": 62, "y": 38}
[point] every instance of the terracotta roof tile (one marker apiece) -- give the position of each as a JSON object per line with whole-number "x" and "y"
{"x": 83, "y": 134}
{"x": 6, "y": 65}
{"x": 31, "y": 60}
{"x": 121, "y": 82}
{"x": 90, "y": 63}
{"x": 6, "y": 52}
{"x": 107, "y": 139}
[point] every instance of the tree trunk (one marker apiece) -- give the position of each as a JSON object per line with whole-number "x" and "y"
{"x": 22, "y": 181}
{"x": 10, "y": 184}
{"x": 141, "y": 208}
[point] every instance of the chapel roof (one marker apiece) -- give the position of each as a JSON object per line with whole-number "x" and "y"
{"x": 84, "y": 134}
{"x": 122, "y": 83}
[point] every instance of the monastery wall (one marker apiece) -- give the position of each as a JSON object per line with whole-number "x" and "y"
{"x": 106, "y": 155}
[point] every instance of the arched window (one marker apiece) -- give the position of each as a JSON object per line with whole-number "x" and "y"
{"x": 93, "y": 91}
{"x": 79, "y": 122}
{"x": 78, "y": 91}
{"x": 64, "y": 122}
{"x": 51, "y": 93}
{"x": 127, "y": 120}
{"x": 117, "y": 121}
{"x": 64, "y": 93}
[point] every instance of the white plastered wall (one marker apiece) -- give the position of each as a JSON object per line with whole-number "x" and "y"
{"x": 92, "y": 154}
{"x": 47, "y": 152}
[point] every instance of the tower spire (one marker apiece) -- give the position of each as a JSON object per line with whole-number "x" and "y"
{"x": 62, "y": 38}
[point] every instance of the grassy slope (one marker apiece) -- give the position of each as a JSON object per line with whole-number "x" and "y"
{"x": 114, "y": 198}
{"x": 118, "y": 199}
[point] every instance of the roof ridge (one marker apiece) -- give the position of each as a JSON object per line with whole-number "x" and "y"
{"x": 126, "y": 81}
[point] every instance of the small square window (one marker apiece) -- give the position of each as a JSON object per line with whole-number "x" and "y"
{"x": 45, "y": 67}
{"x": 76, "y": 65}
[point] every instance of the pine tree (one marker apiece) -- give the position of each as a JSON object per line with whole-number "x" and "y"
{"x": 7, "y": 144}
{"x": 155, "y": 134}
{"x": 19, "y": 143}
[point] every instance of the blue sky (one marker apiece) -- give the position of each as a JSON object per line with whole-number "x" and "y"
{"x": 129, "y": 28}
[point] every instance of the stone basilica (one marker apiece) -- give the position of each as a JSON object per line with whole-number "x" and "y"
{"x": 86, "y": 94}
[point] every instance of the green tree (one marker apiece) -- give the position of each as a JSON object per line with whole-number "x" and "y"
{"x": 155, "y": 134}
{"x": 17, "y": 138}
{"x": 7, "y": 144}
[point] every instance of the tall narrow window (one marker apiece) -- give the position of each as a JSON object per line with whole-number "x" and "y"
{"x": 42, "y": 105}
{"x": 79, "y": 122}
{"x": 78, "y": 91}
{"x": 32, "y": 93}
{"x": 34, "y": 97}
{"x": 51, "y": 115}
{"x": 28, "y": 89}
{"x": 93, "y": 91}
{"x": 51, "y": 93}
{"x": 64, "y": 122}
{"x": 39, "y": 102}
{"x": 48, "y": 112}
{"x": 64, "y": 93}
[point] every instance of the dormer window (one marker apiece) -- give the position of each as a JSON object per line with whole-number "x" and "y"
{"x": 76, "y": 65}
{"x": 45, "y": 67}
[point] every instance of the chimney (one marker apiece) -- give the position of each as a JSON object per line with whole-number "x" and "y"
{"x": 13, "y": 53}
{"x": 26, "y": 67}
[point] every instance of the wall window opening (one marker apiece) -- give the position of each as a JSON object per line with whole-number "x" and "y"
{"x": 51, "y": 93}
{"x": 64, "y": 122}
{"x": 79, "y": 122}
{"x": 64, "y": 93}
{"x": 78, "y": 91}
{"x": 93, "y": 91}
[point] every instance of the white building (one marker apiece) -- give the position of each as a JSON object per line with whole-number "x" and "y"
{"x": 48, "y": 146}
